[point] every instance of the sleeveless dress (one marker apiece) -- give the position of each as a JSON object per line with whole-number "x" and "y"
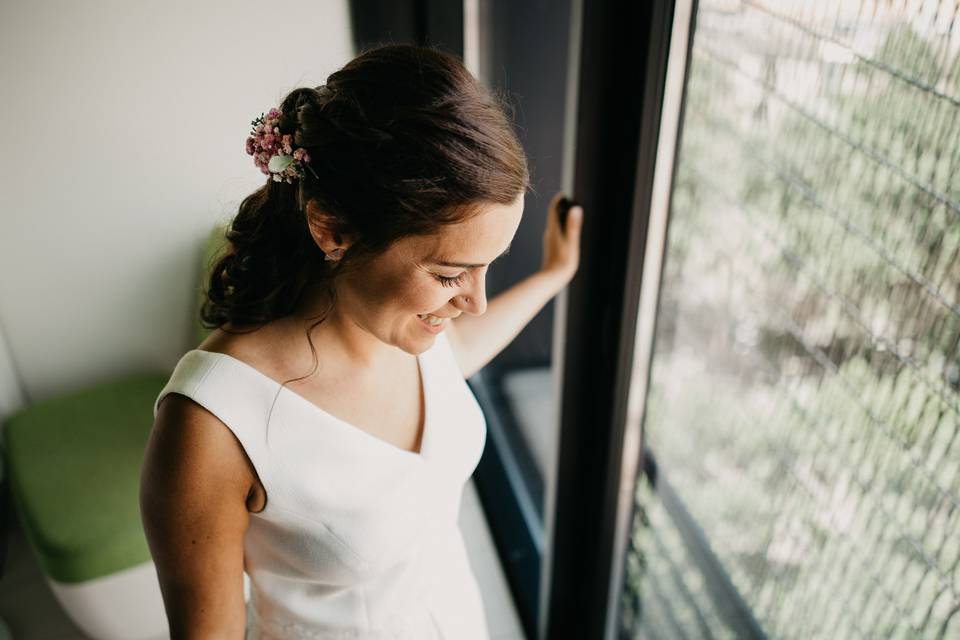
{"x": 359, "y": 538}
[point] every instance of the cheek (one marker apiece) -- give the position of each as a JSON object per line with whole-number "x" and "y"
{"x": 368, "y": 292}
{"x": 404, "y": 292}
{"x": 422, "y": 296}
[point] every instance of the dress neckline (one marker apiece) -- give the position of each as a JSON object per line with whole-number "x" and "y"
{"x": 349, "y": 426}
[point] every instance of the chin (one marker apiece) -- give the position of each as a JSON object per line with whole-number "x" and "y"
{"x": 418, "y": 346}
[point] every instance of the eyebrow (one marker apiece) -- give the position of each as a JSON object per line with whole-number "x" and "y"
{"x": 467, "y": 265}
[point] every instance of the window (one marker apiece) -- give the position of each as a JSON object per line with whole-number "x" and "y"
{"x": 802, "y": 423}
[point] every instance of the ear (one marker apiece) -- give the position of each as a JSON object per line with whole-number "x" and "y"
{"x": 325, "y": 229}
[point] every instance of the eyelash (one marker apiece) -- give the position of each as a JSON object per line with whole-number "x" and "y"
{"x": 450, "y": 282}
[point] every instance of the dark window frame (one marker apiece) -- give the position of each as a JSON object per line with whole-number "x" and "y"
{"x": 623, "y": 53}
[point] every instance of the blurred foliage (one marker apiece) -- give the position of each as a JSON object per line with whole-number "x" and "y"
{"x": 804, "y": 393}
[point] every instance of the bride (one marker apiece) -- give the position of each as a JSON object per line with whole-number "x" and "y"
{"x": 319, "y": 439}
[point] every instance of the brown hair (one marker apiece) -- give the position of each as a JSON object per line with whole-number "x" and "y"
{"x": 403, "y": 139}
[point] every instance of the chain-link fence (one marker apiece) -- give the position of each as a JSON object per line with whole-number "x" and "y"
{"x": 803, "y": 412}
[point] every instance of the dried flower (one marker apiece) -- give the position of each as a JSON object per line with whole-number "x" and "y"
{"x": 274, "y": 153}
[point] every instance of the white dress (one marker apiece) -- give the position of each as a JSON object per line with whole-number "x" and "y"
{"x": 359, "y": 538}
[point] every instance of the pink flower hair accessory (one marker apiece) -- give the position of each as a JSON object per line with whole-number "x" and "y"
{"x": 273, "y": 152}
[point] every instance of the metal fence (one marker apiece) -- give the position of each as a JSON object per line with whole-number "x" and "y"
{"x": 802, "y": 423}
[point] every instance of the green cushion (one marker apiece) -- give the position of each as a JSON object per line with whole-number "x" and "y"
{"x": 74, "y": 464}
{"x": 214, "y": 246}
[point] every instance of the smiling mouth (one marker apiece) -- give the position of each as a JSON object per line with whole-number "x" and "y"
{"x": 431, "y": 319}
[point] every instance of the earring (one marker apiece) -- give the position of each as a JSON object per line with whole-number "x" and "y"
{"x": 334, "y": 255}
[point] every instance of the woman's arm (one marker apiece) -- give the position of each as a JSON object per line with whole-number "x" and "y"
{"x": 193, "y": 492}
{"x": 475, "y": 340}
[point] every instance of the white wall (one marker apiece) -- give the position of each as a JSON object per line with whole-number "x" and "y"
{"x": 11, "y": 393}
{"x": 123, "y": 143}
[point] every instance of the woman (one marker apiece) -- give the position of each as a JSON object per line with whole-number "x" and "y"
{"x": 356, "y": 273}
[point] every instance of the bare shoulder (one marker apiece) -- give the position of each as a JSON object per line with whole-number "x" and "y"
{"x": 194, "y": 491}
{"x": 191, "y": 452}
{"x": 239, "y": 345}
{"x": 261, "y": 349}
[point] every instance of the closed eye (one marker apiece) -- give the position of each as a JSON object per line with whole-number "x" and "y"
{"x": 450, "y": 282}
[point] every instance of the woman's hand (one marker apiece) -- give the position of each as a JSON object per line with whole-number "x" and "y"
{"x": 561, "y": 249}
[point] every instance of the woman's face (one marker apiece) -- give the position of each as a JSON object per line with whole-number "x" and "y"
{"x": 442, "y": 275}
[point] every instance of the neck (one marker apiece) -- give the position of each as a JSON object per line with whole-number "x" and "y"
{"x": 342, "y": 339}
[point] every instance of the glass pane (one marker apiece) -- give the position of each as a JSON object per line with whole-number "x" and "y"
{"x": 803, "y": 417}
{"x": 526, "y": 50}
{"x": 522, "y": 52}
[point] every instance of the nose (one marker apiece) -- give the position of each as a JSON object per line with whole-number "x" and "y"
{"x": 474, "y": 300}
